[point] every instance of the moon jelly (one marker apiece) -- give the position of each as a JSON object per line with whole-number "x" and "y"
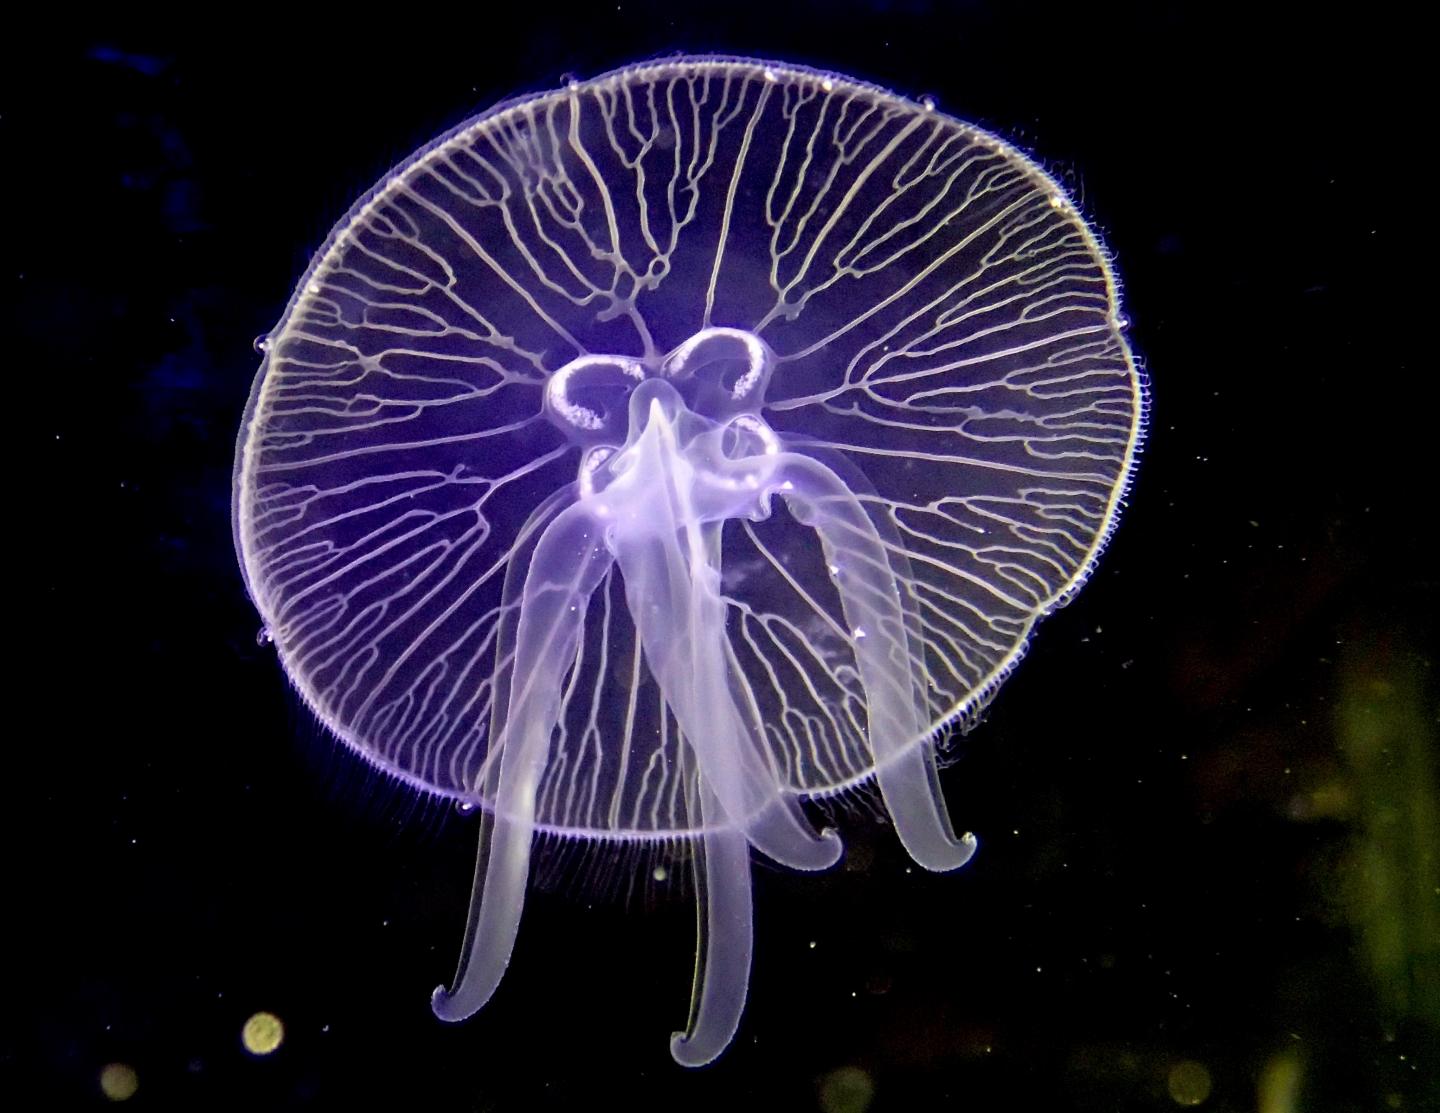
{"x": 644, "y": 458}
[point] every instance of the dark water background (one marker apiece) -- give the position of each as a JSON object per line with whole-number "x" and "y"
{"x": 1207, "y": 800}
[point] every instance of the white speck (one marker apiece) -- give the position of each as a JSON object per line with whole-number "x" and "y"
{"x": 858, "y": 633}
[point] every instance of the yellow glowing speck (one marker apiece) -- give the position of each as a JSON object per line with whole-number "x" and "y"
{"x": 262, "y": 1033}
{"x": 847, "y": 1090}
{"x": 1279, "y": 1089}
{"x": 660, "y": 873}
{"x": 118, "y": 1081}
{"x": 1188, "y": 1083}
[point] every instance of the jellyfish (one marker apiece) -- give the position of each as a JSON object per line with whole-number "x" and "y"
{"x": 644, "y": 459}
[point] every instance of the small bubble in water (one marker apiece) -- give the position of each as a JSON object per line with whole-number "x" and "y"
{"x": 464, "y": 807}
{"x": 262, "y": 344}
{"x": 264, "y": 637}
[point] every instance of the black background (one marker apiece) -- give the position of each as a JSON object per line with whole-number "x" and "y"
{"x": 1206, "y": 801}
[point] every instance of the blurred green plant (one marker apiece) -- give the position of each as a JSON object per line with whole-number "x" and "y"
{"x": 1385, "y": 732}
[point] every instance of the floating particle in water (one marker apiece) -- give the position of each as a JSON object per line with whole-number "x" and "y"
{"x": 1188, "y": 1082}
{"x": 118, "y": 1081}
{"x": 262, "y": 1034}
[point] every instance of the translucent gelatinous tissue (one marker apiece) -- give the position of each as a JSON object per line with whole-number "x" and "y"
{"x": 646, "y": 457}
